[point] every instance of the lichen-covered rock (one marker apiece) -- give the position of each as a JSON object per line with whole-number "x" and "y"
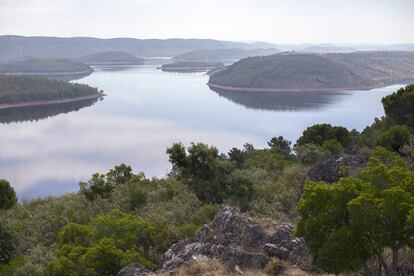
{"x": 135, "y": 270}
{"x": 236, "y": 239}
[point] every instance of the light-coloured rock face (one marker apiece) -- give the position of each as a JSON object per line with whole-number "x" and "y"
{"x": 236, "y": 240}
{"x": 135, "y": 270}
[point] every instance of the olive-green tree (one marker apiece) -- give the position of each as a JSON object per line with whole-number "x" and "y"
{"x": 7, "y": 195}
{"x": 350, "y": 222}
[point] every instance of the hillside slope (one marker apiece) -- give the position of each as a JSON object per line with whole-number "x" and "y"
{"x": 44, "y": 66}
{"x": 223, "y": 54}
{"x": 12, "y": 47}
{"x": 112, "y": 57}
{"x": 288, "y": 71}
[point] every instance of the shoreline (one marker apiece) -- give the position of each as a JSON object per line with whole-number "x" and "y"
{"x": 51, "y": 102}
{"x": 275, "y": 90}
{"x": 46, "y": 73}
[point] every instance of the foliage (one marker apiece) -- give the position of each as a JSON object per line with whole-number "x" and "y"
{"x": 7, "y": 195}
{"x": 207, "y": 174}
{"x": 399, "y": 106}
{"x": 309, "y": 154}
{"x": 17, "y": 89}
{"x": 44, "y": 65}
{"x": 333, "y": 146}
{"x": 320, "y": 133}
{"x": 347, "y": 223}
{"x": 103, "y": 184}
{"x": 7, "y": 244}
{"x": 280, "y": 145}
{"x": 394, "y": 138}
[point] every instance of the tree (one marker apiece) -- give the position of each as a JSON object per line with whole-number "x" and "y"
{"x": 318, "y": 134}
{"x": 205, "y": 172}
{"x": 345, "y": 224}
{"x": 7, "y": 195}
{"x": 394, "y": 138}
{"x": 280, "y": 145}
{"x": 96, "y": 186}
{"x": 399, "y": 106}
{"x": 120, "y": 174}
{"x": 333, "y": 146}
{"x": 7, "y": 244}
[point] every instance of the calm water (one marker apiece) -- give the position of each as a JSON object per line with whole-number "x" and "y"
{"x": 146, "y": 110}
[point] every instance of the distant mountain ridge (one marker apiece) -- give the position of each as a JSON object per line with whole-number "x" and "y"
{"x": 13, "y": 47}
{"x": 112, "y": 57}
{"x": 224, "y": 54}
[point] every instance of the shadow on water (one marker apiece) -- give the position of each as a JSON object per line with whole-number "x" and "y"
{"x": 281, "y": 101}
{"x": 36, "y": 113}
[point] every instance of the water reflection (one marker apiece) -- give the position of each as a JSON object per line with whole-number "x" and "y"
{"x": 35, "y": 113}
{"x": 280, "y": 101}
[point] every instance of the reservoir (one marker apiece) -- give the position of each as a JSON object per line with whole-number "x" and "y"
{"x": 48, "y": 150}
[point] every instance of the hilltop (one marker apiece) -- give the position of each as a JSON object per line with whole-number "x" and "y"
{"x": 44, "y": 66}
{"x": 12, "y": 46}
{"x": 223, "y": 54}
{"x": 316, "y": 72}
{"x": 286, "y": 72}
{"x": 23, "y": 91}
{"x": 112, "y": 57}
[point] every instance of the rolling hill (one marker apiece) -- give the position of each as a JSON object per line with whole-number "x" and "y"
{"x": 12, "y": 47}
{"x": 112, "y": 57}
{"x": 223, "y": 54}
{"x": 44, "y": 66}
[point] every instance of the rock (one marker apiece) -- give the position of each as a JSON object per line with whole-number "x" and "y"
{"x": 236, "y": 239}
{"x": 276, "y": 251}
{"x": 330, "y": 169}
{"x": 253, "y": 235}
{"x": 135, "y": 270}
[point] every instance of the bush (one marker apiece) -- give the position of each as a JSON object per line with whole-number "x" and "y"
{"x": 394, "y": 138}
{"x": 309, "y": 154}
{"x": 8, "y": 244}
{"x": 333, "y": 146}
{"x": 7, "y": 195}
{"x": 320, "y": 133}
{"x": 399, "y": 106}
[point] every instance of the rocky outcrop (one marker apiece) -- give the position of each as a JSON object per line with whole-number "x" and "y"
{"x": 336, "y": 167}
{"x": 135, "y": 270}
{"x": 238, "y": 240}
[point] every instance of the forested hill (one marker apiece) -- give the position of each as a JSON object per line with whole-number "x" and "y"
{"x": 223, "y": 54}
{"x": 381, "y": 66}
{"x": 305, "y": 71}
{"x": 12, "y": 47}
{"x": 19, "y": 89}
{"x": 44, "y": 66}
{"x": 289, "y": 72}
{"x": 112, "y": 57}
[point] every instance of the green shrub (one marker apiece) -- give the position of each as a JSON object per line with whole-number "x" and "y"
{"x": 394, "y": 138}
{"x": 7, "y": 195}
{"x": 319, "y": 133}
{"x": 399, "y": 106}
{"x": 8, "y": 244}
{"x": 333, "y": 146}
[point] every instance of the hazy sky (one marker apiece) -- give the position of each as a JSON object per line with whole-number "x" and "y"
{"x": 278, "y": 21}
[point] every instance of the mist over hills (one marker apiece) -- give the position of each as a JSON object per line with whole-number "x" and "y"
{"x": 17, "y": 47}
{"x": 12, "y": 47}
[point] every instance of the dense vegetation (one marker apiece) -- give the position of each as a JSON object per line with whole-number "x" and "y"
{"x": 112, "y": 57}
{"x": 289, "y": 71}
{"x": 19, "y": 89}
{"x": 121, "y": 217}
{"x": 44, "y": 66}
{"x": 223, "y": 54}
{"x": 360, "y": 70}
